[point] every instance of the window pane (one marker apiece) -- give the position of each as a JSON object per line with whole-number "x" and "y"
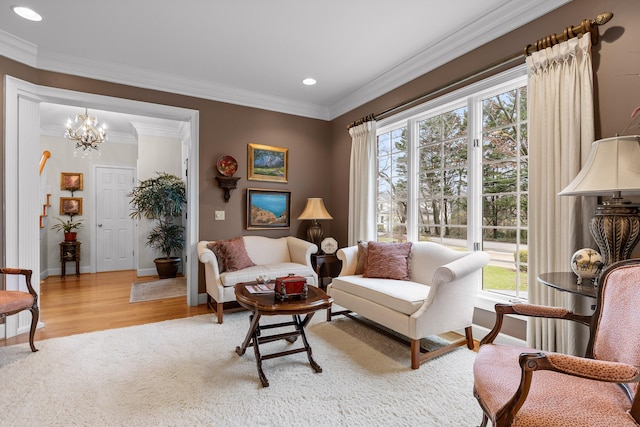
{"x": 384, "y": 144}
{"x": 430, "y": 157}
{"x": 499, "y": 110}
{"x": 430, "y": 130}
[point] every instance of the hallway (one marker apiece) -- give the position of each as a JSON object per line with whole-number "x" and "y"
{"x": 93, "y": 302}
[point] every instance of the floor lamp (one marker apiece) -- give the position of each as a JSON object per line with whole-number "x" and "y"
{"x": 612, "y": 169}
{"x": 314, "y": 211}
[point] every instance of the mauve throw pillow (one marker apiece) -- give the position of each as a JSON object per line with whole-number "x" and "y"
{"x": 388, "y": 260}
{"x": 235, "y": 254}
{"x": 362, "y": 257}
{"x": 216, "y": 248}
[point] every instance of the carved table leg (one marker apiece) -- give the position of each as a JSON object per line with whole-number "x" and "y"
{"x": 250, "y": 334}
{"x": 256, "y": 351}
{"x": 300, "y": 327}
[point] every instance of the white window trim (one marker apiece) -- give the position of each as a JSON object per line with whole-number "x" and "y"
{"x": 468, "y": 95}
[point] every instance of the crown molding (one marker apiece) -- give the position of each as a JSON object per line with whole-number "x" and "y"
{"x": 165, "y": 82}
{"x": 18, "y": 49}
{"x": 506, "y": 17}
{"x": 492, "y": 25}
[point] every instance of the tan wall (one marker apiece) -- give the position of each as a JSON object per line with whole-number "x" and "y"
{"x": 616, "y": 64}
{"x": 319, "y": 151}
{"x": 225, "y": 129}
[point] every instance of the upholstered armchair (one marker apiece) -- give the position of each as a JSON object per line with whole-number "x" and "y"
{"x": 518, "y": 386}
{"x": 12, "y": 302}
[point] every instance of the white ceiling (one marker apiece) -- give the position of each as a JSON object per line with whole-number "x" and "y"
{"x": 256, "y": 52}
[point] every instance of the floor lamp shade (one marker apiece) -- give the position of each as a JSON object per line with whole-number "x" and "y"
{"x": 612, "y": 169}
{"x": 315, "y": 210}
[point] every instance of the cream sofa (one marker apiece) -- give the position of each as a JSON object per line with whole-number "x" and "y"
{"x": 273, "y": 257}
{"x": 438, "y": 297}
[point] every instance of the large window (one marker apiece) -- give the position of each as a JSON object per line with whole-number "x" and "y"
{"x": 454, "y": 171}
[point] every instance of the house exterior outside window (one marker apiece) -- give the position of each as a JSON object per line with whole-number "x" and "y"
{"x": 455, "y": 171}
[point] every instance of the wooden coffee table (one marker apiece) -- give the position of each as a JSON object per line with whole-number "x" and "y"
{"x": 267, "y": 305}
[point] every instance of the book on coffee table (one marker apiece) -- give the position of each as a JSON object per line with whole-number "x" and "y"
{"x": 261, "y": 288}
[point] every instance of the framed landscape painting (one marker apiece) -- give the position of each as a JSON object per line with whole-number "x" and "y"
{"x": 267, "y": 163}
{"x": 71, "y": 181}
{"x": 268, "y": 209}
{"x": 70, "y": 205}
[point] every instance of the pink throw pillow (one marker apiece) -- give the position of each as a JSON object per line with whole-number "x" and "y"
{"x": 388, "y": 260}
{"x": 362, "y": 257}
{"x": 235, "y": 254}
{"x": 216, "y": 248}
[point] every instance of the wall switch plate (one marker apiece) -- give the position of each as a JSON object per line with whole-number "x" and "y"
{"x": 219, "y": 216}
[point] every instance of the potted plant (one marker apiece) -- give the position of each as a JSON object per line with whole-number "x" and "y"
{"x": 69, "y": 228}
{"x": 162, "y": 199}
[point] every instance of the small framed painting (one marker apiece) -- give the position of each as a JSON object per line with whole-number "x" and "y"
{"x": 267, "y": 163}
{"x": 70, "y": 205}
{"x": 268, "y": 209}
{"x": 71, "y": 181}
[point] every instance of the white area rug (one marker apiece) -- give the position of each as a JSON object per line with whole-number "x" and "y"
{"x": 158, "y": 289}
{"x": 186, "y": 372}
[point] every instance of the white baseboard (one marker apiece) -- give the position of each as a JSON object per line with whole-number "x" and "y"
{"x": 147, "y": 272}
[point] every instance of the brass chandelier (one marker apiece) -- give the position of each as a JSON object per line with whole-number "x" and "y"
{"x": 87, "y": 135}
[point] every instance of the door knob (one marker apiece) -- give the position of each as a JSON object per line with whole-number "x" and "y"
{"x": 99, "y": 225}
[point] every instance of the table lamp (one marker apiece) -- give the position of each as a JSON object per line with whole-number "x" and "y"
{"x": 613, "y": 168}
{"x": 314, "y": 211}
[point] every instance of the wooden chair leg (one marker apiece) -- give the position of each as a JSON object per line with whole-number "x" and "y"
{"x": 220, "y": 312}
{"x": 35, "y": 315}
{"x": 415, "y": 354}
{"x": 469, "y": 335}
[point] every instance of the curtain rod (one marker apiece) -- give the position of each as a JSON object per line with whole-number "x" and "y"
{"x": 586, "y": 26}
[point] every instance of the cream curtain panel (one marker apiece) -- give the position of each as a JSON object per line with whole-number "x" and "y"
{"x": 362, "y": 182}
{"x": 561, "y": 130}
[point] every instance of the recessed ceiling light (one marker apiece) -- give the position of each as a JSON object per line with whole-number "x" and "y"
{"x": 27, "y": 13}
{"x": 309, "y": 81}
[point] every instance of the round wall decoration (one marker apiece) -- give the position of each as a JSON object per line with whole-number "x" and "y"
{"x": 227, "y": 165}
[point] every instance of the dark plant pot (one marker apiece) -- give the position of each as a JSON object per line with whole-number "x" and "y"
{"x": 70, "y": 236}
{"x": 167, "y": 267}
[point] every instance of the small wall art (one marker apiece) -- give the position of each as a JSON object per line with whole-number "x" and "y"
{"x": 71, "y": 181}
{"x": 70, "y": 205}
{"x": 267, "y": 163}
{"x": 268, "y": 209}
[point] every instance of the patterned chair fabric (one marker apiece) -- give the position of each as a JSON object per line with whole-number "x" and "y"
{"x": 522, "y": 387}
{"x": 12, "y": 302}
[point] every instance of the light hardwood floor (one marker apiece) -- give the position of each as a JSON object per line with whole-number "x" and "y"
{"x": 94, "y": 302}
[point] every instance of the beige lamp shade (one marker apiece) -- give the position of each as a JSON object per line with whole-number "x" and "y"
{"x": 612, "y": 168}
{"x": 613, "y": 165}
{"x": 315, "y": 209}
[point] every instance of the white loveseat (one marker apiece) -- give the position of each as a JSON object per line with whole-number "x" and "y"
{"x": 438, "y": 297}
{"x": 273, "y": 257}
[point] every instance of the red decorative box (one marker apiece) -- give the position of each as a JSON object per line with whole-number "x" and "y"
{"x": 291, "y": 286}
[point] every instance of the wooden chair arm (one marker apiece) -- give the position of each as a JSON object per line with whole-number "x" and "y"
{"x": 27, "y": 277}
{"x": 531, "y": 310}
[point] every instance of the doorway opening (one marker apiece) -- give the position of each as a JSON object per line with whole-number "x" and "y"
{"x": 22, "y": 143}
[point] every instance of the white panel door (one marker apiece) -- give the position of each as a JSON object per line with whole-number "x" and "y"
{"x": 115, "y": 236}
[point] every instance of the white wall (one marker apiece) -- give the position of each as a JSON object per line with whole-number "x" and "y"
{"x": 63, "y": 160}
{"x": 155, "y": 154}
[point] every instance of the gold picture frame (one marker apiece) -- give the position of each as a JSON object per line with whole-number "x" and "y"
{"x": 70, "y": 205}
{"x": 71, "y": 181}
{"x": 267, "y": 163}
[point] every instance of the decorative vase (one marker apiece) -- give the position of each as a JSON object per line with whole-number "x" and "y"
{"x": 586, "y": 263}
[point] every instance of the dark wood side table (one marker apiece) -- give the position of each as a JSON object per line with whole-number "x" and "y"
{"x": 69, "y": 252}
{"x": 568, "y": 282}
{"x": 325, "y": 266}
{"x": 268, "y": 305}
